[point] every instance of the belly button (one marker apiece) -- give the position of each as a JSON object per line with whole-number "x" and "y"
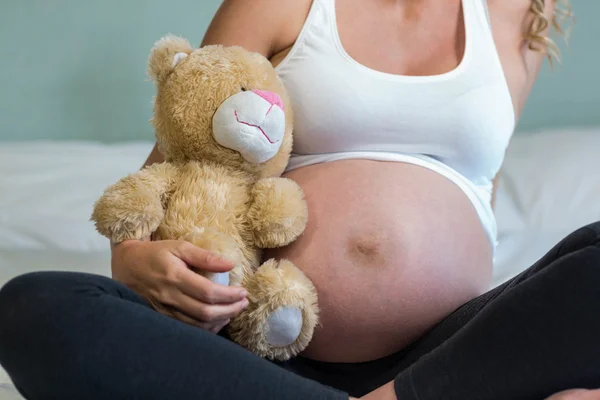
{"x": 366, "y": 250}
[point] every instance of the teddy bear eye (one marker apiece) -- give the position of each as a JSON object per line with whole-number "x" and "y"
{"x": 243, "y": 89}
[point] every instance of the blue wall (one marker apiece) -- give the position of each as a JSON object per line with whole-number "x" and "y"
{"x": 77, "y": 69}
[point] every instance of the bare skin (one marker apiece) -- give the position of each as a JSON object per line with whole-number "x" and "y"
{"x": 404, "y": 253}
{"x": 387, "y": 393}
{"x": 576, "y": 394}
{"x": 393, "y": 264}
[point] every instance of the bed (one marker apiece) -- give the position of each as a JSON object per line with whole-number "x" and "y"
{"x": 548, "y": 187}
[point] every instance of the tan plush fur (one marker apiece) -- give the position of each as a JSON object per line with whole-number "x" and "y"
{"x": 272, "y": 281}
{"x": 133, "y": 207}
{"x": 209, "y": 195}
{"x": 274, "y": 217}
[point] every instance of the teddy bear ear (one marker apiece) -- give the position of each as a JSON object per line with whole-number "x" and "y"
{"x": 166, "y": 54}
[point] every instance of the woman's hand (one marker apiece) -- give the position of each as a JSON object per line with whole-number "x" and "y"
{"x": 158, "y": 271}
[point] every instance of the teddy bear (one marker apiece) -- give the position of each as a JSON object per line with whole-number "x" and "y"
{"x": 223, "y": 122}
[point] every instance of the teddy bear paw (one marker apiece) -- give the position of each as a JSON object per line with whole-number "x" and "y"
{"x": 280, "y": 320}
{"x": 284, "y": 326}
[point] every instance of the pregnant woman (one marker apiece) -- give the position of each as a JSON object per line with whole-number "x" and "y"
{"x": 404, "y": 110}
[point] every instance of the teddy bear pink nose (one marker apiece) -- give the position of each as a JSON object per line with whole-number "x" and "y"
{"x": 272, "y": 98}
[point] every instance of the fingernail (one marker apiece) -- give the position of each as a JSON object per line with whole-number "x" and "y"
{"x": 243, "y": 293}
{"x": 245, "y": 303}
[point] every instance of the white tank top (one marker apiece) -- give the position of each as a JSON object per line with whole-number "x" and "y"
{"x": 457, "y": 123}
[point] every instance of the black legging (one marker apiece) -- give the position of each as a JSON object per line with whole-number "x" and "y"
{"x": 78, "y": 336}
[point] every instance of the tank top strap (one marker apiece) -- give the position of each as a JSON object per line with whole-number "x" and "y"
{"x": 328, "y": 6}
{"x": 487, "y": 11}
{"x": 326, "y": 11}
{"x": 315, "y": 37}
{"x": 480, "y": 8}
{"x": 479, "y": 38}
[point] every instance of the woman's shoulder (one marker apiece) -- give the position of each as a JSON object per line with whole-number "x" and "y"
{"x": 264, "y": 26}
{"x": 517, "y": 18}
{"x": 521, "y": 32}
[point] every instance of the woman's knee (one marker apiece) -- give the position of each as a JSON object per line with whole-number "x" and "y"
{"x": 579, "y": 268}
{"x": 23, "y": 297}
{"x": 594, "y": 227}
{"x": 21, "y": 301}
{"x": 32, "y": 298}
{"x": 19, "y": 292}
{"x": 583, "y": 237}
{"x": 594, "y": 230}
{"x": 36, "y": 288}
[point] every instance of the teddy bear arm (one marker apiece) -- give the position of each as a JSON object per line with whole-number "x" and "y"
{"x": 278, "y": 214}
{"x": 132, "y": 208}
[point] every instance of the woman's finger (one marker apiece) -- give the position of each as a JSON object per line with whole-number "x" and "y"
{"x": 214, "y": 327}
{"x": 208, "y": 312}
{"x": 206, "y": 291}
{"x": 171, "y": 312}
{"x": 202, "y": 259}
{"x": 217, "y": 328}
{"x": 187, "y": 320}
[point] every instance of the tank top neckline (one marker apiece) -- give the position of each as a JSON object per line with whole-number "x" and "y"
{"x": 463, "y": 64}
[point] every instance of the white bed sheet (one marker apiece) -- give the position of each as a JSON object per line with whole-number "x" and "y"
{"x": 549, "y": 186}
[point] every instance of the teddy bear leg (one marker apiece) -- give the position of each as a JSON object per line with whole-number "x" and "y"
{"x": 280, "y": 320}
{"x": 223, "y": 245}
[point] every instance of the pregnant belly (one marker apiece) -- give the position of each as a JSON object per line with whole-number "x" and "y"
{"x": 392, "y": 248}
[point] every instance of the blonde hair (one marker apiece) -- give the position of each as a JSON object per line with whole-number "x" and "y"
{"x": 538, "y": 41}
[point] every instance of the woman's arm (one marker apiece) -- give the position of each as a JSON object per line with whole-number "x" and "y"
{"x": 154, "y": 157}
{"x": 517, "y": 27}
{"x": 263, "y": 26}
{"x": 514, "y": 25}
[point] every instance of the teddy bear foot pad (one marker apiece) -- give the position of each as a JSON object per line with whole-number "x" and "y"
{"x": 284, "y": 326}
{"x": 280, "y": 320}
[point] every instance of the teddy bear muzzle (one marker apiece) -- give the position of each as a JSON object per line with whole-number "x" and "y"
{"x": 252, "y": 123}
